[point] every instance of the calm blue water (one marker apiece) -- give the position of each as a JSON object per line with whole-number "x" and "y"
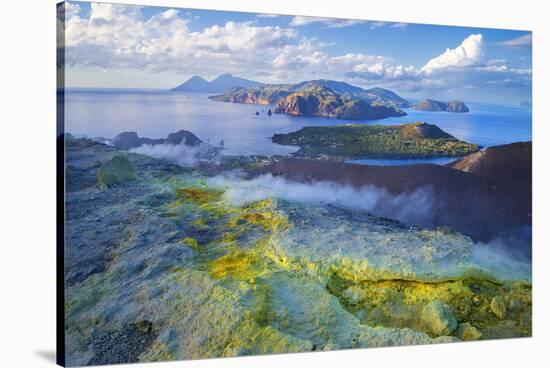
{"x": 155, "y": 114}
{"x": 398, "y": 162}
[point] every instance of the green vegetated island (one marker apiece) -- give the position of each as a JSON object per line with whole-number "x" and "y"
{"x": 416, "y": 140}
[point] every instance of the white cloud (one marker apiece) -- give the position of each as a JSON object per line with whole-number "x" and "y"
{"x": 299, "y": 20}
{"x": 468, "y": 53}
{"x": 267, "y": 15}
{"x": 525, "y": 41}
{"x": 71, "y": 9}
{"x": 117, "y": 37}
{"x": 454, "y": 68}
{"x": 379, "y": 24}
{"x": 399, "y": 25}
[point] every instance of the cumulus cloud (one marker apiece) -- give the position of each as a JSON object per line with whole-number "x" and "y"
{"x": 112, "y": 36}
{"x": 468, "y": 53}
{"x": 120, "y": 36}
{"x": 71, "y": 9}
{"x": 523, "y": 42}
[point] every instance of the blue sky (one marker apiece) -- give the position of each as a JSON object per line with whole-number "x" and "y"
{"x": 116, "y": 46}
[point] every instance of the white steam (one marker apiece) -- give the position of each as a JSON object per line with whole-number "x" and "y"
{"x": 180, "y": 154}
{"x": 414, "y": 206}
{"x": 497, "y": 258}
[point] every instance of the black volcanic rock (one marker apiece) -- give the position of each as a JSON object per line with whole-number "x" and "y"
{"x": 129, "y": 140}
{"x": 433, "y": 105}
{"x": 183, "y": 136}
{"x": 220, "y": 84}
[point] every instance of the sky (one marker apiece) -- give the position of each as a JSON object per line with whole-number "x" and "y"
{"x": 126, "y": 46}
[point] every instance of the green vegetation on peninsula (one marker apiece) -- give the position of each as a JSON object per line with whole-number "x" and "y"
{"x": 415, "y": 140}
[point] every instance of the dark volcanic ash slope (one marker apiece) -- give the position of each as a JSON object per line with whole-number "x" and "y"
{"x": 482, "y": 207}
{"x": 509, "y": 162}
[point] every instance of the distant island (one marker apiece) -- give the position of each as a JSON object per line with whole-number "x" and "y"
{"x": 433, "y": 105}
{"x": 266, "y": 94}
{"x": 218, "y": 85}
{"x": 321, "y": 98}
{"x": 415, "y": 140}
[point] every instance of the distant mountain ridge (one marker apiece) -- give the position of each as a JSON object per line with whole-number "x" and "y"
{"x": 220, "y": 84}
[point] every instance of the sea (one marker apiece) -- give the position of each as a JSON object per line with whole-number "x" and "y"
{"x": 247, "y": 129}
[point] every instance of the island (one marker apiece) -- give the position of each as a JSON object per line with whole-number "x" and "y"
{"x": 266, "y": 94}
{"x": 415, "y": 140}
{"x": 433, "y": 105}
{"x": 321, "y": 98}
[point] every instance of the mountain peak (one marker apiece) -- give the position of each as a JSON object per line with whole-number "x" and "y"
{"x": 221, "y": 83}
